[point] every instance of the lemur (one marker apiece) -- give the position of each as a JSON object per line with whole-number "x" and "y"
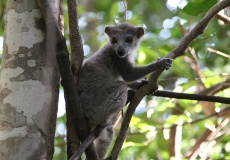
{"x": 104, "y": 77}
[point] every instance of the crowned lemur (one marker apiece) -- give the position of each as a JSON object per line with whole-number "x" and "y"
{"x": 104, "y": 77}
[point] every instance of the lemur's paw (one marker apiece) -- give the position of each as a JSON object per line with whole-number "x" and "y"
{"x": 165, "y": 63}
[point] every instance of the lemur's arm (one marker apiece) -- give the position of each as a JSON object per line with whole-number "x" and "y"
{"x": 130, "y": 73}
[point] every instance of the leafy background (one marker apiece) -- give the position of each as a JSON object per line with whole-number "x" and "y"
{"x": 165, "y": 23}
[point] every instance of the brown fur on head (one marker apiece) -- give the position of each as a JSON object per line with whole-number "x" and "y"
{"x": 125, "y": 27}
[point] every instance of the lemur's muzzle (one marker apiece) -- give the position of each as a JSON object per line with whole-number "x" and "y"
{"x": 121, "y": 52}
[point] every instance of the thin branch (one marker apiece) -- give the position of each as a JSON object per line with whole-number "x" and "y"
{"x": 197, "y": 97}
{"x": 77, "y": 53}
{"x": 218, "y": 52}
{"x": 178, "y": 51}
{"x": 223, "y": 18}
{"x": 126, "y": 9}
{"x": 216, "y": 88}
{"x": 73, "y": 142}
{"x": 207, "y": 145}
{"x": 193, "y": 59}
{"x": 91, "y": 137}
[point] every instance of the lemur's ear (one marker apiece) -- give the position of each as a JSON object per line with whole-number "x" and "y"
{"x": 108, "y": 30}
{"x": 140, "y": 32}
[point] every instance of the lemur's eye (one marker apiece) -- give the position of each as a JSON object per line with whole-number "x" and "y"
{"x": 113, "y": 40}
{"x": 129, "y": 39}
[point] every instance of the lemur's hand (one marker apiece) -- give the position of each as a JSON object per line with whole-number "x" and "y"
{"x": 165, "y": 63}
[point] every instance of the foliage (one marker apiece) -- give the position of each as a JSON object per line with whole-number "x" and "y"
{"x": 2, "y": 13}
{"x": 165, "y": 23}
{"x": 192, "y": 9}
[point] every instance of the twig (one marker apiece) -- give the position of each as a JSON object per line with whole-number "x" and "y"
{"x": 178, "y": 51}
{"x": 197, "y": 97}
{"x": 218, "y": 52}
{"x": 91, "y": 137}
{"x": 126, "y": 8}
{"x": 216, "y": 88}
{"x": 223, "y": 18}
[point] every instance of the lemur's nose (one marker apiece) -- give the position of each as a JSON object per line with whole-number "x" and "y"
{"x": 121, "y": 52}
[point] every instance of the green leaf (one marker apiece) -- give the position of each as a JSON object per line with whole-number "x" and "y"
{"x": 194, "y": 8}
{"x": 114, "y": 10}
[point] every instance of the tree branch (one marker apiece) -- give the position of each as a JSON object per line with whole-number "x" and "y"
{"x": 87, "y": 142}
{"x": 178, "y": 51}
{"x": 197, "y": 97}
{"x": 68, "y": 82}
{"x": 223, "y": 18}
{"x": 216, "y": 88}
{"x": 94, "y": 134}
{"x": 77, "y": 53}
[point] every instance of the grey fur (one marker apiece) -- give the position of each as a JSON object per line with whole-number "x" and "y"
{"x": 103, "y": 78}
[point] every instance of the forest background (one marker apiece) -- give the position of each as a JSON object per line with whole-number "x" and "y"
{"x": 204, "y": 69}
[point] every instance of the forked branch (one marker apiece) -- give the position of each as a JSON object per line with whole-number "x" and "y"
{"x": 68, "y": 81}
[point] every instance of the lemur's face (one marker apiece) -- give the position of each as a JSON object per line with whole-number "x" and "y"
{"x": 124, "y": 38}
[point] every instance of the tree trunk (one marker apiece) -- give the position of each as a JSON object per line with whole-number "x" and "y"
{"x": 29, "y": 85}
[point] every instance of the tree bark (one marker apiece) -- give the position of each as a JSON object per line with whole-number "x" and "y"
{"x": 29, "y": 85}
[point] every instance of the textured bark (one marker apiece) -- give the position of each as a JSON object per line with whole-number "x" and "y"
{"x": 77, "y": 55}
{"x": 29, "y": 85}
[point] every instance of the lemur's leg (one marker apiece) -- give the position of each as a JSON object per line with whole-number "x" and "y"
{"x": 114, "y": 102}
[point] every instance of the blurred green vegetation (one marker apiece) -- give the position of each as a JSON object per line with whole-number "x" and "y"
{"x": 165, "y": 24}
